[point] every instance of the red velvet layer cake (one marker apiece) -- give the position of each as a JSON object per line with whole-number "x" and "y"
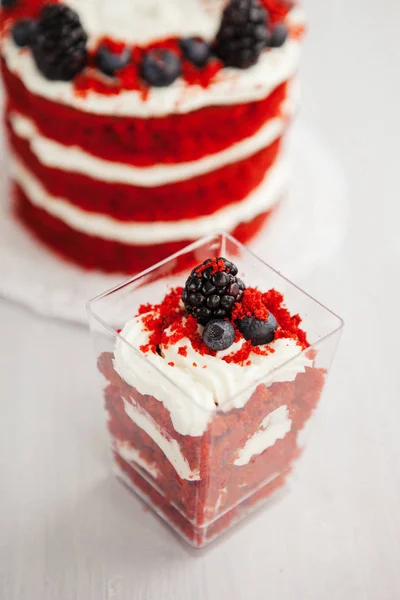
{"x": 137, "y": 128}
{"x": 206, "y": 394}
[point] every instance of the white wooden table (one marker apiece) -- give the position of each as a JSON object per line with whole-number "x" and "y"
{"x": 69, "y": 531}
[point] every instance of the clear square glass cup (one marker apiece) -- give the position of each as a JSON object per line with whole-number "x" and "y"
{"x": 206, "y": 481}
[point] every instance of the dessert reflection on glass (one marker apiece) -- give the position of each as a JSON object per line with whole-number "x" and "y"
{"x": 209, "y": 382}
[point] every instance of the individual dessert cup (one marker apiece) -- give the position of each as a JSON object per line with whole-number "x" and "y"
{"x": 207, "y": 399}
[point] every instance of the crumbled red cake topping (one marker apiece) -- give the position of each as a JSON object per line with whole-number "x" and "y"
{"x": 251, "y": 305}
{"x": 168, "y": 323}
{"x": 278, "y": 9}
{"x": 215, "y": 266}
{"x": 129, "y": 78}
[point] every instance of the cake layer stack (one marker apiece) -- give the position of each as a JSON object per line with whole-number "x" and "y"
{"x": 116, "y": 170}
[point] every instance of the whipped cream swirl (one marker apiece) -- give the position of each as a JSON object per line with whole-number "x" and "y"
{"x": 193, "y": 387}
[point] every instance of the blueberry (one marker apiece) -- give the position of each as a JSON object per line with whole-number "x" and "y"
{"x": 160, "y": 68}
{"x": 109, "y": 62}
{"x": 278, "y": 35}
{"x": 24, "y": 32}
{"x": 259, "y": 332}
{"x": 196, "y": 51}
{"x": 218, "y": 335}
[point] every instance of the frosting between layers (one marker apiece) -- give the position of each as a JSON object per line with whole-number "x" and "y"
{"x": 230, "y": 86}
{"x": 167, "y": 445}
{"x": 274, "y": 427}
{"x": 190, "y": 393}
{"x": 139, "y": 233}
{"x": 132, "y": 455}
{"x": 73, "y": 159}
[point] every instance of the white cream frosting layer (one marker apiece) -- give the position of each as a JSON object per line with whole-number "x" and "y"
{"x": 138, "y": 233}
{"x": 191, "y": 394}
{"x": 167, "y": 445}
{"x": 73, "y": 159}
{"x": 131, "y": 455}
{"x": 274, "y": 427}
{"x": 145, "y": 21}
{"x": 230, "y": 86}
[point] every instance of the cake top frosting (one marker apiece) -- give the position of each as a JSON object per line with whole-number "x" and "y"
{"x": 142, "y": 22}
{"x": 197, "y": 362}
{"x": 215, "y": 312}
{"x": 108, "y": 47}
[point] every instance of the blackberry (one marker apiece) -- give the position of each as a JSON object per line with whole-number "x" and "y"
{"x": 212, "y": 290}
{"x": 59, "y": 47}
{"x": 243, "y": 34}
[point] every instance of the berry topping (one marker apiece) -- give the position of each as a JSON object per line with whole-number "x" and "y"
{"x": 212, "y": 290}
{"x": 8, "y": 3}
{"x": 59, "y": 47}
{"x": 279, "y": 35}
{"x": 24, "y": 32}
{"x": 109, "y": 62}
{"x": 161, "y": 68}
{"x": 257, "y": 331}
{"x": 243, "y": 34}
{"x": 218, "y": 335}
{"x": 196, "y": 51}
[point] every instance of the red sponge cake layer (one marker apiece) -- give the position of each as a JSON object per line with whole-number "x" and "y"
{"x": 94, "y": 252}
{"x": 188, "y": 199}
{"x": 143, "y": 142}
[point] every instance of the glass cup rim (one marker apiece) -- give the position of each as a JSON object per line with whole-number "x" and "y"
{"x": 189, "y": 248}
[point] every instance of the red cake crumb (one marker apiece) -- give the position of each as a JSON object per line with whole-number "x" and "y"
{"x": 214, "y": 265}
{"x": 171, "y": 364}
{"x": 170, "y": 315}
{"x": 129, "y": 77}
{"x": 251, "y": 305}
{"x": 278, "y": 9}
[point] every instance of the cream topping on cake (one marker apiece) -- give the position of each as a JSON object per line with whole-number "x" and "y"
{"x": 193, "y": 394}
{"x": 230, "y": 86}
{"x": 145, "y": 21}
